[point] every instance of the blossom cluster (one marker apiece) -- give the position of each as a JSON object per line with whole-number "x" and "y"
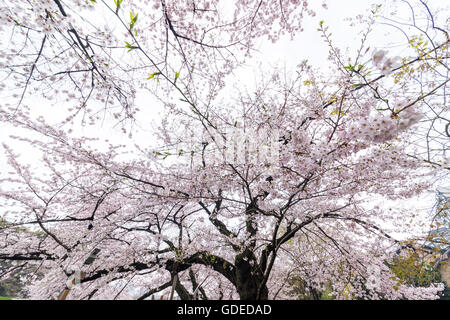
{"x": 383, "y": 63}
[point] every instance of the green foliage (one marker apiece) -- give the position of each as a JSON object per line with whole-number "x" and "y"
{"x": 446, "y": 293}
{"x": 154, "y": 74}
{"x": 133, "y": 20}
{"x": 130, "y": 46}
{"x": 298, "y": 288}
{"x": 164, "y": 154}
{"x": 411, "y": 269}
{"x": 353, "y": 68}
{"x": 12, "y": 285}
{"x": 118, "y": 3}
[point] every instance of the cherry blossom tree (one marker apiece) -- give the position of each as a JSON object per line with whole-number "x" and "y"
{"x": 237, "y": 189}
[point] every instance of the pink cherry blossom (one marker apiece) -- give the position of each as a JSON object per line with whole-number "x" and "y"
{"x": 232, "y": 191}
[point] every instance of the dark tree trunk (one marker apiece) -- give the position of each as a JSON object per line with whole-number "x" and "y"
{"x": 314, "y": 294}
{"x": 247, "y": 287}
{"x": 248, "y": 280}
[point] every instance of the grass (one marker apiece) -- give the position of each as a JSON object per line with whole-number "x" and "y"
{"x": 5, "y": 298}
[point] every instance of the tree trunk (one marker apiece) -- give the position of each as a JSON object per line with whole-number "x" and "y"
{"x": 249, "y": 290}
{"x": 248, "y": 280}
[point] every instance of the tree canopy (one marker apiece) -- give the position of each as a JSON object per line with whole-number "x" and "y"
{"x": 234, "y": 190}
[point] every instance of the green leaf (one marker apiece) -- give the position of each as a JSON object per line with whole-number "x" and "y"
{"x": 130, "y": 46}
{"x": 153, "y": 74}
{"x": 133, "y": 19}
{"x": 349, "y": 67}
{"x": 118, "y": 3}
